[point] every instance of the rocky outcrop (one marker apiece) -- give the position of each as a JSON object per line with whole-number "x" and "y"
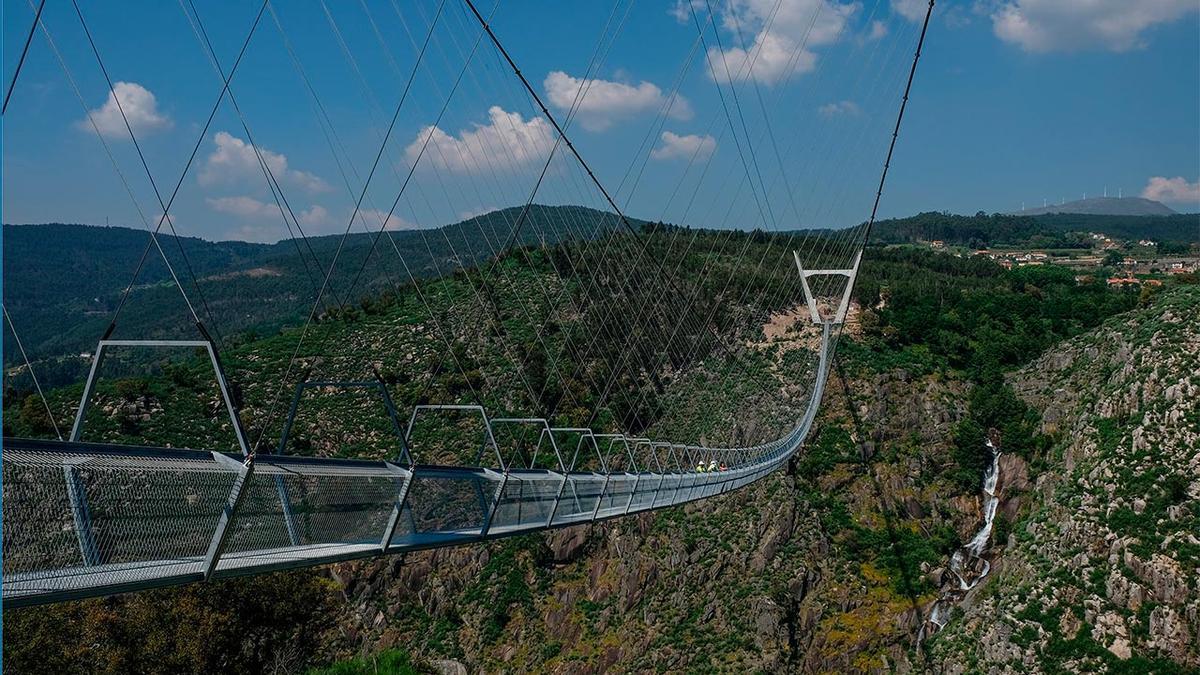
{"x": 763, "y": 579}
{"x": 1104, "y": 567}
{"x": 1095, "y": 565}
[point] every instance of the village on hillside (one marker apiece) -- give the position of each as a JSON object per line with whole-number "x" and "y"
{"x": 1126, "y": 263}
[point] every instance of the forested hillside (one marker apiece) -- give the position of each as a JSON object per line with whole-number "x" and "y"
{"x": 1102, "y": 571}
{"x": 831, "y": 566}
{"x": 63, "y": 282}
{"x": 1055, "y": 230}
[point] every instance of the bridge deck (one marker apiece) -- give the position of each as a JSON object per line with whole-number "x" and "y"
{"x": 87, "y": 519}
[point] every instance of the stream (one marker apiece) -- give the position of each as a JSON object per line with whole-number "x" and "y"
{"x": 967, "y": 565}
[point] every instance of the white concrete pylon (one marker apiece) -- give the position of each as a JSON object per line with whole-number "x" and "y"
{"x": 851, "y": 274}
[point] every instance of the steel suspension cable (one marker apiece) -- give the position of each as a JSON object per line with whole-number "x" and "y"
{"x": 545, "y": 111}
{"x": 410, "y": 175}
{"x": 37, "y": 17}
{"x": 486, "y": 161}
{"x": 32, "y": 373}
{"x": 769, "y": 218}
{"x": 323, "y": 115}
{"x": 277, "y": 194}
{"x": 166, "y": 207}
{"x": 826, "y": 243}
{"x": 153, "y": 241}
{"x": 887, "y": 162}
{"x": 686, "y": 312}
{"x": 598, "y": 55}
{"x": 844, "y": 236}
{"x": 708, "y": 163}
{"x": 342, "y": 241}
{"x": 766, "y": 289}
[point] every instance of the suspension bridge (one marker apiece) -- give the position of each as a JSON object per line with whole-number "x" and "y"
{"x": 84, "y": 519}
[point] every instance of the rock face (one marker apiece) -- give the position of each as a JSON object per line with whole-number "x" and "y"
{"x": 1105, "y": 567}
{"x": 835, "y": 566}
{"x": 793, "y": 573}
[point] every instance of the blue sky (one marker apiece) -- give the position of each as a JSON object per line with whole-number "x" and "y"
{"x": 1016, "y": 101}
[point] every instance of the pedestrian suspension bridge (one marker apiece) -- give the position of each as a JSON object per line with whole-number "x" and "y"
{"x": 85, "y": 519}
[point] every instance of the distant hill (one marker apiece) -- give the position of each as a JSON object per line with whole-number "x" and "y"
{"x": 1056, "y": 230}
{"x": 62, "y": 282}
{"x": 1104, "y": 206}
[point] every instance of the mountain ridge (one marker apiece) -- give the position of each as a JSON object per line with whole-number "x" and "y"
{"x": 1103, "y": 206}
{"x": 62, "y": 282}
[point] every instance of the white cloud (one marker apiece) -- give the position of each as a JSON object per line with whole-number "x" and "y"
{"x": 840, "y": 108}
{"x": 374, "y": 218}
{"x": 682, "y": 10}
{"x": 508, "y": 139}
{"x": 605, "y": 101}
{"x": 878, "y": 30}
{"x": 1178, "y": 189}
{"x": 314, "y": 216}
{"x": 259, "y": 221}
{"x": 264, "y": 234}
{"x": 233, "y": 162}
{"x": 786, "y": 32}
{"x": 244, "y": 207}
{"x": 140, "y": 107}
{"x": 675, "y": 146}
{"x": 468, "y": 214}
{"x": 960, "y": 16}
{"x": 1071, "y": 25}
{"x": 913, "y": 10}
{"x": 249, "y": 208}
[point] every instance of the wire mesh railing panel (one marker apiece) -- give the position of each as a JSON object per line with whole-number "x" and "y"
{"x": 333, "y": 504}
{"x": 76, "y": 521}
{"x": 84, "y": 519}
{"x": 39, "y": 532}
{"x": 527, "y": 499}
{"x": 298, "y": 511}
{"x": 647, "y": 488}
{"x": 140, "y": 515}
{"x": 579, "y": 498}
{"x": 261, "y": 522}
{"x": 714, "y": 489}
{"x": 666, "y": 491}
{"x": 445, "y": 502}
{"x": 616, "y": 495}
{"x": 686, "y": 487}
{"x": 343, "y": 510}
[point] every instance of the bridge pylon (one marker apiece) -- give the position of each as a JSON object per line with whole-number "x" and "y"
{"x": 851, "y": 274}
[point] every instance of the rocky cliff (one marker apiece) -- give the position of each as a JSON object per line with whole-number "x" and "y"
{"x": 1102, "y": 573}
{"x": 824, "y": 568}
{"x": 835, "y": 566}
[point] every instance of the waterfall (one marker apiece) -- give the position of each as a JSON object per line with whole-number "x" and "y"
{"x": 979, "y": 542}
{"x": 967, "y": 556}
{"x": 990, "y": 502}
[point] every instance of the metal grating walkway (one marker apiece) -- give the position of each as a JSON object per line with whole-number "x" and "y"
{"x": 87, "y": 519}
